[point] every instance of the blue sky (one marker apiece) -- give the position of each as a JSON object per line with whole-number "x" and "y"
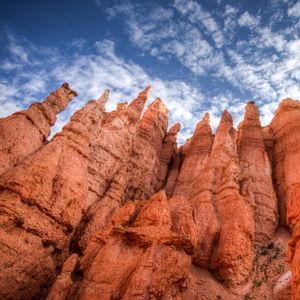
{"x": 198, "y": 55}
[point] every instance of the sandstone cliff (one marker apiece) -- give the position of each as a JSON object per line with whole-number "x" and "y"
{"x": 111, "y": 208}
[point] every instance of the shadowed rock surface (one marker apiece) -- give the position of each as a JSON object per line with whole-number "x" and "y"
{"x": 111, "y": 208}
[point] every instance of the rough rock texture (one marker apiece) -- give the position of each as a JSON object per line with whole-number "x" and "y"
{"x": 26, "y": 131}
{"x": 256, "y": 178}
{"x": 41, "y": 202}
{"x": 167, "y": 156}
{"x": 110, "y": 208}
{"x": 285, "y": 129}
{"x": 108, "y": 168}
{"x": 144, "y": 163}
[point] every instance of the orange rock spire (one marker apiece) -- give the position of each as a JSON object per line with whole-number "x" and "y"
{"x": 110, "y": 208}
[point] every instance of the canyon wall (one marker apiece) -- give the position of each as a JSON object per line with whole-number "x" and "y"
{"x": 112, "y": 208}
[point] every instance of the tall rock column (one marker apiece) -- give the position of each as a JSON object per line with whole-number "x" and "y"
{"x": 41, "y": 201}
{"x": 233, "y": 256}
{"x": 195, "y": 155}
{"x": 108, "y": 168}
{"x": 168, "y": 153}
{"x": 24, "y": 132}
{"x": 193, "y": 210}
{"x": 145, "y": 159}
{"x": 285, "y": 128}
{"x": 256, "y": 181}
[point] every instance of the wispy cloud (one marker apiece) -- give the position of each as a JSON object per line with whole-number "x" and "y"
{"x": 248, "y": 20}
{"x": 294, "y": 11}
{"x": 223, "y": 57}
{"x": 197, "y": 15}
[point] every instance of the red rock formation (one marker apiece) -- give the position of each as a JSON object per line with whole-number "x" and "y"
{"x": 208, "y": 184}
{"x": 97, "y": 189}
{"x": 195, "y": 154}
{"x": 256, "y": 181}
{"x": 168, "y": 153}
{"x": 26, "y": 131}
{"x": 108, "y": 168}
{"x": 285, "y": 129}
{"x": 138, "y": 258}
{"x": 144, "y": 163}
{"x": 41, "y": 202}
{"x": 233, "y": 256}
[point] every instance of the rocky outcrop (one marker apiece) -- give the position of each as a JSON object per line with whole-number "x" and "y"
{"x": 138, "y": 258}
{"x": 41, "y": 203}
{"x": 26, "y": 131}
{"x": 108, "y": 168}
{"x": 144, "y": 163}
{"x": 114, "y": 210}
{"x": 256, "y": 175}
{"x": 208, "y": 189}
{"x": 285, "y": 129}
{"x": 167, "y": 156}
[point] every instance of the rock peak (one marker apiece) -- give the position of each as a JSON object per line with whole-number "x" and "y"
{"x": 141, "y": 99}
{"x": 206, "y": 118}
{"x": 159, "y": 105}
{"x": 251, "y": 112}
{"x": 174, "y": 129}
{"x": 162, "y": 222}
{"x": 103, "y": 98}
{"x": 226, "y": 117}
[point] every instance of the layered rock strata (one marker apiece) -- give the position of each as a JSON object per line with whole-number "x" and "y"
{"x": 41, "y": 201}
{"x": 114, "y": 210}
{"x": 144, "y": 163}
{"x": 26, "y": 131}
{"x": 108, "y": 168}
{"x": 256, "y": 175}
{"x": 285, "y": 130}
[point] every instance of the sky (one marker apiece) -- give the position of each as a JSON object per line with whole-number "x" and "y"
{"x": 198, "y": 56}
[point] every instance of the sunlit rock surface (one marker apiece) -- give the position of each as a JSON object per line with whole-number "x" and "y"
{"x": 112, "y": 208}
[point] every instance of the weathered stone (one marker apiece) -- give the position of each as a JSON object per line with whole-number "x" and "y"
{"x": 256, "y": 175}
{"x": 144, "y": 162}
{"x": 142, "y": 260}
{"x": 97, "y": 189}
{"x": 108, "y": 168}
{"x": 26, "y": 131}
{"x": 41, "y": 203}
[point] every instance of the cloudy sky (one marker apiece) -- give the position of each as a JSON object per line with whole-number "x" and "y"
{"x": 198, "y": 55}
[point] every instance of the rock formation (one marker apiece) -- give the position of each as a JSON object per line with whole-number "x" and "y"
{"x": 41, "y": 201}
{"x": 256, "y": 178}
{"x": 111, "y": 208}
{"x": 26, "y": 131}
{"x": 285, "y": 130}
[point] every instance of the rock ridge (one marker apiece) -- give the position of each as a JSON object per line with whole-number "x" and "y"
{"x": 112, "y": 208}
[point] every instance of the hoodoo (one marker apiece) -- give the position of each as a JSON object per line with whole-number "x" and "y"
{"x": 112, "y": 208}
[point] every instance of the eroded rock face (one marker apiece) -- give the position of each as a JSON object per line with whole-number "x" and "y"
{"x": 153, "y": 259}
{"x": 108, "y": 168}
{"x": 144, "y": 163}
{"x": 26, "y": 131}
{"x": 41, "y": 204}
{"x": 256, "y": 178}
{"x": 285, "y": 128}
{"x": 125, "y": 214}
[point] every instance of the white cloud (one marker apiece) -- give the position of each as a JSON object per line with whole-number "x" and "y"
{"x": 230, "y": 10}
{"x": 78, "y": 43}
{"x": 197, "y": 15}
{"x": 267, "y": 39}
{"x": 248, "y": 20}
{"x": 294, "y": 11}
